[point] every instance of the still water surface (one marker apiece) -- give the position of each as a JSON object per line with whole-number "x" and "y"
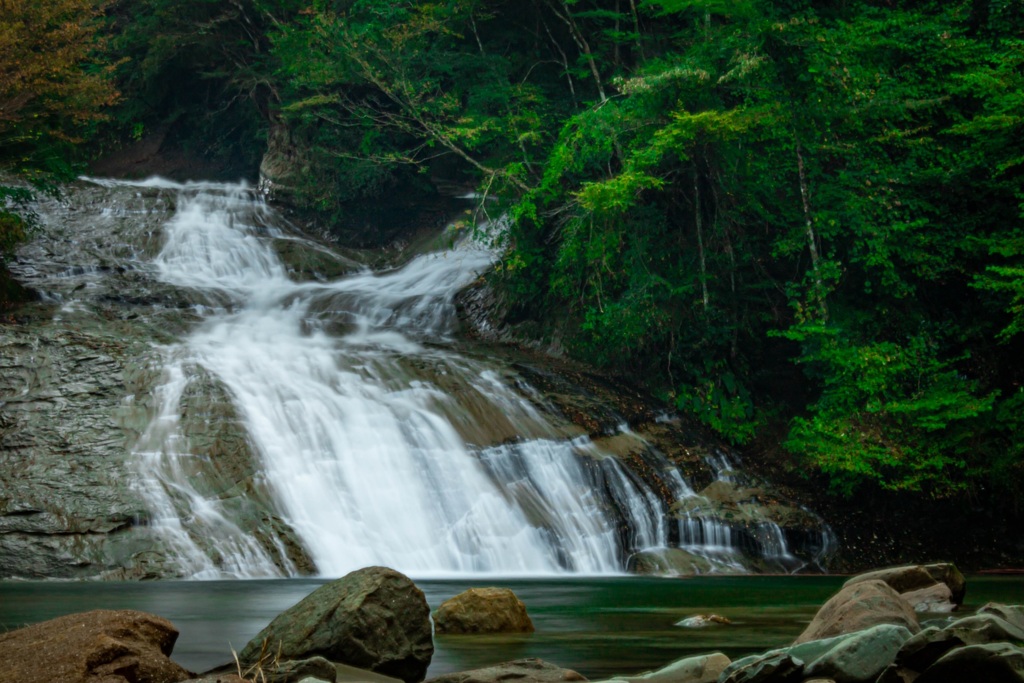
{"x": 598, "y": 626}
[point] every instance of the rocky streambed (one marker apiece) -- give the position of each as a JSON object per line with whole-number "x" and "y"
{"x": 889, "y": 626}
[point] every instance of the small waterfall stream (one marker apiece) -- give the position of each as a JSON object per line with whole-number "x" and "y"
{"x": 377, "y": 442}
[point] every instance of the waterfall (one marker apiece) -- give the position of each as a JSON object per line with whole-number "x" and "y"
{"x": 376, "y": 441}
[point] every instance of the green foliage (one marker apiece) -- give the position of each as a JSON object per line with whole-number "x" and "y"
{"x": 890, "y": 413}
{"x": 716, "y": 196}
{"x": 54, "y": 88}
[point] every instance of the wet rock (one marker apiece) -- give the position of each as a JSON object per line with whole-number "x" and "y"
{"x": 699, "y": 669}
{"x": 858, "y": 606}
{"x": 933, "y": 599}
{"x": 994, "y": 663}
{"x": 373, "y": 618}
{"x": 483, "y": 610}
{"x": 860, "y": 657}
{"x": 924, "y": 649}
{"x": 533, "y": 670}
{"x": 103, "y": 645}
{"x": 979, "y": 629}
{"x": 1014, "y": 614}
{"x": 778, "y": 667}
{"x": 918, "y": 653}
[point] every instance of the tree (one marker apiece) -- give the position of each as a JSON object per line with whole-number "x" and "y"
{"x": 53, "y": 90}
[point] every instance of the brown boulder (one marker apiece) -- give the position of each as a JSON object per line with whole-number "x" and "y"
{"x": 102, "y": 646}
{"x": 483, "y": 610}
{"x": 858, "y": 606}
{"x": 916, "y": 577}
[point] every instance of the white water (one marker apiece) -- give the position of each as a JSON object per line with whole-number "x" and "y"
{"x": 366, "y": 455}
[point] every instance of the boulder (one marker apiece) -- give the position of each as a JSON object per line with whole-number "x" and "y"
{"x": 1014, "y": 614}
{"x": 981, "y": 629}
{"x": 931, "y": 644}
{"x": 915, "y": 577}
{"x": 110, "y": 646}
{"x": 699, "y": 669}
{"x": 860, "y": 657}
{"x": 931, "y": 599}
{"x": 779, "y": 667}
{"x": 373, "y": 618}
{"x": 947, "y": 573}
{"x": 858, "y": 606}
{"x": 483, "y": 610}
{"x": 918, "y": 653}
{"x": 533, "y": 670}
{"x": 993, "y": 663}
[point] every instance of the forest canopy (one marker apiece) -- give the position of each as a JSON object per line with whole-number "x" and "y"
{"x": 800, "y": 222}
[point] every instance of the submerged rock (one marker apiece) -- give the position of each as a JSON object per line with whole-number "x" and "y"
{"x": 103, "y": 645}
{"x": 483, "y": 610}
{"x": 373, "y": 618}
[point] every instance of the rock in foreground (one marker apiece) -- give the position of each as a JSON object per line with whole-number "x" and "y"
{"x": 533, "y": 670}
{"x": 483, "y": 610}
{"x": 373, "y": 618}
{"x": 102, "y": 646}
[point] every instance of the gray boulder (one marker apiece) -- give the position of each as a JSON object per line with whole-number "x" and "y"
{"x": 699, "y": 669}
{"x": 373, "y": 618}
{"x": 860, "y": 657}
{"x": 933, "y": 643}
{"x": 1014, "y": 614}
{"x": 533, "y": 670}
{"x": 777, "y": 667}
{"x": 483, "y": 610}
{"x": 993, "y": 663}
{"x": 858, "y": 606}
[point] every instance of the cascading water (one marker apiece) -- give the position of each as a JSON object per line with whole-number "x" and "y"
{"x": 377, "y": 442}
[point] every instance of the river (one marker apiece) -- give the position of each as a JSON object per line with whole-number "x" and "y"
{"x": 599, "y": 626}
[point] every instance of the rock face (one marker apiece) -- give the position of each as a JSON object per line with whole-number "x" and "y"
{"x": 483, "y": 610}
{"x": 858, "y": 606}
{"x": 100, "y": 646}
{"x": 533, "y": 670}
{"x": 373, "y": 618}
